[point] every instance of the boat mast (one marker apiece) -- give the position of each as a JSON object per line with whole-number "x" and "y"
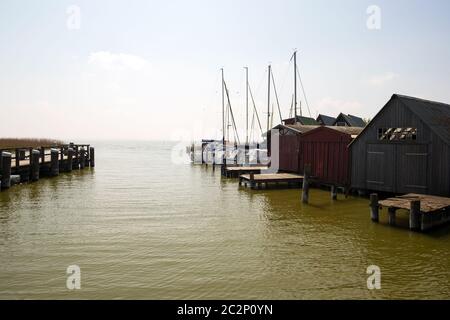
{"x": 268, "y": 99}
{"x": 223, "y": 118}
{"x": 295, "y": 87}
{"x": 246, "y": 105}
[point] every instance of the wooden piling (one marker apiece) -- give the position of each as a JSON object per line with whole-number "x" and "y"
{"x": 252, "y": 180}
{"x": 70, "y": 153}
{"x": 374, "y": 207}
{"x": 54, "y": 162}
{"x": 391, "y": 213}
{"x": 414, "y": 215}
{"x": 34, "y": 164}
{"x": 82, "y": 157}
{"x": 333, "y": 192}
{"x": 6, "y": 170}
{"x": 92, "y": 157}
{"x": 305, "y": 189}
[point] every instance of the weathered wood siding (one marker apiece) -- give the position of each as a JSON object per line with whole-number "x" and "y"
{"x": 420, "y": 166}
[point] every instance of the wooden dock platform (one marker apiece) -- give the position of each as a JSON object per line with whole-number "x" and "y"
{"x": 24, "y": 164}
{"x": 425, "y": 211}
{"x": 257, "y": 180}
{"x": 236, "y": 171}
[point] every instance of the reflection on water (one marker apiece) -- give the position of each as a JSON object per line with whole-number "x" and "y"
{"x": 141, "y": 227}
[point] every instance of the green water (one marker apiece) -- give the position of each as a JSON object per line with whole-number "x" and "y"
{"x": 141, "y": 227}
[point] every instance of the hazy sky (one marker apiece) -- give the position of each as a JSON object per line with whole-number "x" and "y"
{"x": 151, "y": 69}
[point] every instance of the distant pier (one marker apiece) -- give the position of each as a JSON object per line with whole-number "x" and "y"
{"x": 28, "y": 164}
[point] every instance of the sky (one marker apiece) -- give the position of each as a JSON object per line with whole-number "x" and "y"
{"x": 150, "y": 70}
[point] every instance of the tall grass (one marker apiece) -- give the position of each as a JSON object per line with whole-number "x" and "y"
{"x": 27, "y": 142}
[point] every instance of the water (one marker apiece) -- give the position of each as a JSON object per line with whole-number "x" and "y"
{"x": 141, "y": 227}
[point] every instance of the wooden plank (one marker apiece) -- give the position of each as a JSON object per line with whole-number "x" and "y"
{"x": 273, "y": 177}
{"x": 428, "y": 203}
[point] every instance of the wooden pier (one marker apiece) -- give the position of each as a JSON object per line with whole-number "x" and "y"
{"x": 255, "y": 181}
{"x": 25, "y": 164}
{"x": 425, "y": 211}
{"x": 236, "y": 171}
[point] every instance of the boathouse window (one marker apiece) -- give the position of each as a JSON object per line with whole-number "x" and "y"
{"x": 397, "y": 134}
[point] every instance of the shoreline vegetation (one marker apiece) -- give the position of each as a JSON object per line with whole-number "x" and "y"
{"x": 6, "y": 143}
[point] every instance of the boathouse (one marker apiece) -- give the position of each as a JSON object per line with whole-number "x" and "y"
{"x": 349, "y": 120}
{"x": 325, "y": 120}
{"x": 404, "y": 149}
{"x": 301, "y": 120}
{"x": 325, "y": 148}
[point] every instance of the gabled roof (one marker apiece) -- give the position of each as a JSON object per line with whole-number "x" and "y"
{"x": 298, "y": 128}
{"x": 327, "y": 120}
{"x": 435, "y": 115}
{"x": 350, "y": 131}
{"x": 351, "y": 120}
{"x": 304, "y": 120}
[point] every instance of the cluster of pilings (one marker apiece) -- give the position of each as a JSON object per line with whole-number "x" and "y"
{"x": 25, "y": 164}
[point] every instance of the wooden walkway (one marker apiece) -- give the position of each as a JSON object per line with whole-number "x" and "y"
{"x": 257, "y": 180}
{"x": 428, "y": 204}
{"x": 425, "y": 211}
{"x": 29, "y": 163}
{"x": 236, "y": 171}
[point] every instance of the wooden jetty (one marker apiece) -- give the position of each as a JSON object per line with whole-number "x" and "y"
{"x": 236, "y": 171}
{"x": 255, "y": 181}
{"x": 29, "y": 163}
{"x": 425, "y": 211}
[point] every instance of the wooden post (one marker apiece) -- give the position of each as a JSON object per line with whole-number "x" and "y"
{"x": 87, "y": 156}
{"x": 42, "y": 155}
{"x": 54, "y": 162}
{"x": 82, "y": 158}
{"x": 252, "y": 180}
{"x": 257, "y": 154}
{"x": 17, "y": 160}
{"x": 391, "y": 212}
{"x": 236, "y": 152}
{"x": 374, "y": 207}
{"x": 305, "y": 189}
{"x": 69, "y": 159}
{"x": 6, "y": 170}
{"x": 214, "y": 157}
{"x": 92, "y": 157}
{"x": 414, "y": 215}
{"x": 333, "y": 192}
{"x": 34, "y": 165}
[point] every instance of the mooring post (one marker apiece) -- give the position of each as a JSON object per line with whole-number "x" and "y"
{"x": 82, "y": 158}
{"x": 42, "y": 155}
{"x": 214, "y": 157}
{"x": 6, "y": 170}
{"x": 252, "y": 180}
{"x": 414, "y": 215}
{"x": 391, "y": 212}
{"x": 257, "y": 154}
{"x": 333, "y": 192}
{"x": 69, "y": 159}
{"x": 34, "y": 165}
{"x": 92, "y": 157}
{"x": 54, "y": 162}
{"x": 17, "y": 159}
{"x": 305, "y": 189}
{"x": 374, "y": 207}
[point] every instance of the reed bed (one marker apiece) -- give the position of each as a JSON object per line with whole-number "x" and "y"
{"x": 28, "y": 142}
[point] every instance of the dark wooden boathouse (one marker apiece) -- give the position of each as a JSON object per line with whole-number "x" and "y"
{"x": 404, "y": 149}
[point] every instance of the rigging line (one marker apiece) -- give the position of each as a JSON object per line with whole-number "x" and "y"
{"x": 284, "y": 79}
{"x": 255, "y": 110}
{"x": 304, "y": 93}
{"x": 232, "y": 116}
{"x": 276, "y": 97}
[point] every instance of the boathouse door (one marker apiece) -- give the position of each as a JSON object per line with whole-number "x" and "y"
{"x": 412, "y": 168}
{"x": 380, "y": 163}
